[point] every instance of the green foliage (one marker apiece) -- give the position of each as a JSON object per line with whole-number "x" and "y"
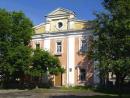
{"x": 16, "y": 59}
{"x": 19, "y": 59}
{"x": 21, "y": 29}
{"x": 113, "y": 42}
{"x": 5, "y": 30}
{"x": 44, "y": 62}
{"x": 15, "y": 35}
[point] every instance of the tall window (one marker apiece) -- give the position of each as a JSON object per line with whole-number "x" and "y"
{"x": 37, "y": 45}
{"x": 58, "y": 47}
{"x": 83, "y": 45}
{"x": 82, "y": 74}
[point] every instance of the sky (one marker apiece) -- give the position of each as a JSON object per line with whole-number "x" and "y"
{"x": 37, "y": 9}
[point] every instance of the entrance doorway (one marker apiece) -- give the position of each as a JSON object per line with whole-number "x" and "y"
{"x": 58, "y": 80}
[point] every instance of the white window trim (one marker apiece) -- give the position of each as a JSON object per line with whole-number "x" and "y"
{"x": 57, "y": 25}
{"x": 37, "y": 42}
{"x": 59, "y": 40}
{"x": 80, "y": 44}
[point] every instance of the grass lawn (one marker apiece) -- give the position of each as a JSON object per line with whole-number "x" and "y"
{"x": 73, "y": 93}
{"x": 78, "y": 92}
{"x": 64, "y": 92}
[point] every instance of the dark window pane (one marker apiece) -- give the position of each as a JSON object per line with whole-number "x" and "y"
{"x": 82, "y": 74}
{"x": 37, "y": 46}
{"x": 60, "y": 24}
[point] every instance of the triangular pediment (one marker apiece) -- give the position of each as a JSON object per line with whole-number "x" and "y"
{"x": 61, "y": 11}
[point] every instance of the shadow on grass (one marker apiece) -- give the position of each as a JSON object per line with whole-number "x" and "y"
{"x": 95, "y": 96}
{"x": 105, "y": 90}
{"x": 23, "y": 86}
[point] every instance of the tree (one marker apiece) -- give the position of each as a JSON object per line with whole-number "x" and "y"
{"x": 15, "y": 35}
{"x": 18, "y": 61}
{"x": 113, "y": 42}
{"x": 43, "y": 62}
{"x": 5, "y": 31}
{"x": 20, "y": 53}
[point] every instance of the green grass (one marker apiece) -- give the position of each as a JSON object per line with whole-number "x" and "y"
{"x": 69, "y": 89}
{"x": 103, "y": 93}
{"x": 78, "y": 88}
{"x": 75, "y": 92}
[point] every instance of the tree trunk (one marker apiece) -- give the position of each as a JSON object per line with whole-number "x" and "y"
{"x": 102, "y": 79}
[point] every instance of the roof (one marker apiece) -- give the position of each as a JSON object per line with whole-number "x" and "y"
{"x": 41, "y": 24}
{"x": 60, "y": 11}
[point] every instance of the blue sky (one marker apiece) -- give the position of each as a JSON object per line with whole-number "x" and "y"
{"x": 37, "y": 9}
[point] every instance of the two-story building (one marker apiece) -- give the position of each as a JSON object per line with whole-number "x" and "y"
{"x": 68, "y": 38}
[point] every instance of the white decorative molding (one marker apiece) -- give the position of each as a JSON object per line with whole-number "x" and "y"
{"x": 70, "y": 61}
{"x": 61, "y": 34}
{"x": 47, "y": 44}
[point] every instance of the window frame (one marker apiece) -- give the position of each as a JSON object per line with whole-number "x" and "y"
{"x": 81, "y": 48}
{"x": 60, "y": 25}
{"x": 82, "y": 75}
{"x": 37, "y": 43}
{"x": 37, "y": 46}
{"x": 57, "y": 25}
{"x": 61, "y": 46}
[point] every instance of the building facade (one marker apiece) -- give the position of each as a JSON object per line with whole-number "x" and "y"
{"x": 68, "y": 38}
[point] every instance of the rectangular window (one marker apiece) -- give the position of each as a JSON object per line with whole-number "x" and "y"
{"x": 83, "y": 45}
{"x": 37, "y": 45}
{"x": 58, "y": 47}
{"x": 82, "y": 75}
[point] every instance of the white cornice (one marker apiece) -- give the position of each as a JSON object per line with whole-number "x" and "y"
{"x": 85, "y": 21}
{"x": 49, "y": 35}
{"x": 66, "y": 31}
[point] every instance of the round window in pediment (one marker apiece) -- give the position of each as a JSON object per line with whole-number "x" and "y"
{"x": 60, "y": 24}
